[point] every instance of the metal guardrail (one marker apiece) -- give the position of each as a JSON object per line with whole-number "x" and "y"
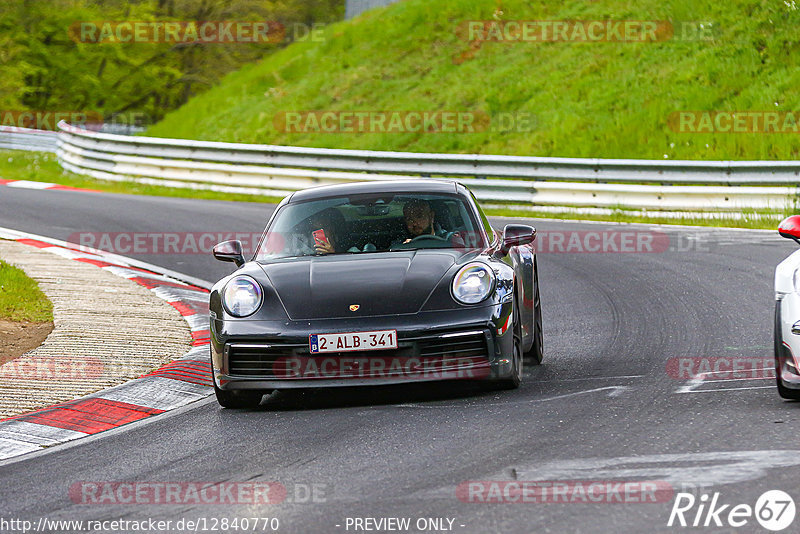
{"x": 275, "y": 170}
{"x": 698, "y": 186}
{"x": 28, "y": 139}
{"x": 663, "y": 172}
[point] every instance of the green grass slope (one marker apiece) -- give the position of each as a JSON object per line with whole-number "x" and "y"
{"x": 20, "y": 297}
{"x": 588, "y": 99}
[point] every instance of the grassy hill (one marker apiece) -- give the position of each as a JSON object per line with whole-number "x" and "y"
{"x": 604, "y": 99}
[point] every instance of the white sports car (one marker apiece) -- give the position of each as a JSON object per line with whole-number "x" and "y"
{"x": 787, "y": 315}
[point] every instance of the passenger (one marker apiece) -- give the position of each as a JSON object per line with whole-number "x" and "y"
{"x": 325, "y": 226}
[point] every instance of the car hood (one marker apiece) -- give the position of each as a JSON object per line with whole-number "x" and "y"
{"x": 379, "y": 284}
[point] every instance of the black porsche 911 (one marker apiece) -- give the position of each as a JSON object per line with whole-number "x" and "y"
{"x": 375, "y": 283}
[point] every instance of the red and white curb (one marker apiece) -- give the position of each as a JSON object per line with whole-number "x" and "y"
{"x": 28, "y": 184}
{"x": 176, "y": 384}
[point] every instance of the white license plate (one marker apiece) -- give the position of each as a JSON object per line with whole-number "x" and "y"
{"x": 350, "y": 341}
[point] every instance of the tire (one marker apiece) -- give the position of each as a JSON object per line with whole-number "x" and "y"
{"x": 238, "y": 399}
{"x": 783, "y": 391}
{"x": 535, "y": 355}
{"x": 515, "y": 379}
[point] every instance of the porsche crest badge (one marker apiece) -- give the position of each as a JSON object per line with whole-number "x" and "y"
{"x": 354, "y": 307}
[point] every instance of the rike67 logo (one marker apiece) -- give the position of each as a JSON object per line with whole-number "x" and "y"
{"x": 774, "y": 510}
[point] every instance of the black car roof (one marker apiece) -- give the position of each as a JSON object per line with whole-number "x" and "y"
{"x": 377, "y": 186}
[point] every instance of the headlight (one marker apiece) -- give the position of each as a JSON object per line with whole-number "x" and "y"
{"x": 473, "y": 283}
{"x": 241, "y": 296}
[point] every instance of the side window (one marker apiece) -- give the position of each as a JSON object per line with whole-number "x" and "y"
{"x": 484, "y": 220}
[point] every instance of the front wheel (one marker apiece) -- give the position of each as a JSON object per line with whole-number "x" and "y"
{"x": 239, "y": 398}
{"x": 780, "y": 354}
{"x": 535, "y": 355}
{"x": 783, "y": 391}
{"x": 513, "y": 381}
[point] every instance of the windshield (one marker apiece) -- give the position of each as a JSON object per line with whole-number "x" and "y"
{"x": 370, "y": 223}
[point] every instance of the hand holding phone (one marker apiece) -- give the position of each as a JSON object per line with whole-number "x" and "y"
{"x": 321, "y": 242}
{"x": 320, "y": 238}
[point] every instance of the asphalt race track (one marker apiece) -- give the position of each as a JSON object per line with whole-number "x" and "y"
{"x": 607, "y": 405}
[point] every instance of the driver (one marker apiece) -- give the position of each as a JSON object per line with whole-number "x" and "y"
{"x": 419, "y": 219}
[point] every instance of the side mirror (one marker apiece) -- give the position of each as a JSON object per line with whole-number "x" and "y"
{"x": 790, "y": 228}
{"x": 515, "y": 235}
{"x": 229, "y": 251}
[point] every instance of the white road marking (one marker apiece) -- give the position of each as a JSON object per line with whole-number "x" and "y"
{"x": 727, "y": 389}
{"x": 589, "y": 378}
{"x": 68, "y": 254}
{"x": 27, "y": 184}
{"x": 711, "y": 468}
{"x": 197, "y": 322}
{"x": 157, "y": 392}
{"x": 694, "y": 383}
{"x": 24, "y": 431}
{"x": 739, "y": 379}
{"x": 683, "y": 471}
{"x": 10, "y": 448}
{"x": 201, "y": 352}
{"x": 172, "y": 294}
{"x": 615, "y": 391}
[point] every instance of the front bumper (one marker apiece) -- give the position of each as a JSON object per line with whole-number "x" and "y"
{"x": 467, "y": 344}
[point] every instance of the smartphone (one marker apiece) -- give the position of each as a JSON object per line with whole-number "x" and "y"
{"x": 319, "y": 237}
